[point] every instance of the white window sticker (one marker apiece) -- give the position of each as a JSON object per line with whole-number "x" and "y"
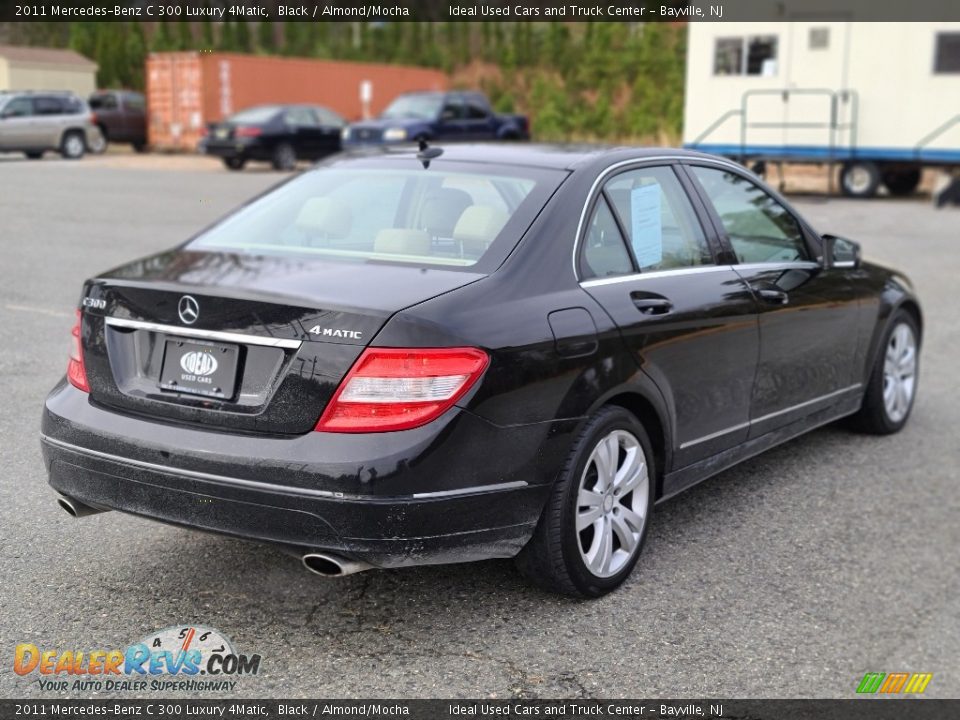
{"x": 646, "y": 231}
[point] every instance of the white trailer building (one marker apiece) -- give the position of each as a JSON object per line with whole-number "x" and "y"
{"x": 881, "y": 100}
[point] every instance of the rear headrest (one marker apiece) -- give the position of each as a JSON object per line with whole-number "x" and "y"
{"x": 399, "y": 241}
{"x": 479, "y": 225}
{"x": 325, "y": 217}
{"x": 442, "y": 209}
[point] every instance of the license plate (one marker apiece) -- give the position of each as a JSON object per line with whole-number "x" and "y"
{"x": 222, "y": 133}
{"x": 199, "y": 368}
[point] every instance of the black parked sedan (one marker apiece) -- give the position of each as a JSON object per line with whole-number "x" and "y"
{"x": 278, "y": 134}
{"x": 448, "y": 355}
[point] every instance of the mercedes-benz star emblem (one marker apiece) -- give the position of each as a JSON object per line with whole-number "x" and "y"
{"x": 188, "y": 309}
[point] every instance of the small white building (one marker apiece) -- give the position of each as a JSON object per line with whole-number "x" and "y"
{"x": 40, "y": 68}
{"x": 881, "y": 99}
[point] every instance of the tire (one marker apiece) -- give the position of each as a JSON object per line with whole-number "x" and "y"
{"x": 73, "y": 146}
{"x": 234, "y": 163}
{"x": 561, "y": 559}
{"x": 892, "y": 388}
{"x": 284, "y": 157}
{"x": 860, "y": 179}
{"x": 902, "y": 182}
{"x": 34, "y": 154}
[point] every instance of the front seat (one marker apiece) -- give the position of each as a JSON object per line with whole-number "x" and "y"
{"x": 441, "y": 210}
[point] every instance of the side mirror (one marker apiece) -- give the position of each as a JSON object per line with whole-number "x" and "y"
{"x": 840, "y": 252}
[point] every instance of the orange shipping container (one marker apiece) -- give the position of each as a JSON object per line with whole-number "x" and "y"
{"x": 187, "y": 90}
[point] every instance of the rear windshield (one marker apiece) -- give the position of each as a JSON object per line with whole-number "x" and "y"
{"x": 454, "y": 215}
{"x": 255, "y": 114}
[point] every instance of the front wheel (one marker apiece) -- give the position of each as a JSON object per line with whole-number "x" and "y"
{"x": 594, "y": 524}
{"x": 892, "y": 387}
{"x": 234, "y": 163}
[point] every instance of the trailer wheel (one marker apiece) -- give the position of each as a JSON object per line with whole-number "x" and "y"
{"x": 902, "y": 182}
{"x": 860, "y": 179}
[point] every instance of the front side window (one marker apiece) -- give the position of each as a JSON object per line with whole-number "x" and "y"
{"x": 760, "y": 229}
{"x": 18, "y": 107}
{"x": 947, "y": 55}
{"x": 420, "y": 107}
{"x": 103, "y": 102}
{"x": 388, "y": 212}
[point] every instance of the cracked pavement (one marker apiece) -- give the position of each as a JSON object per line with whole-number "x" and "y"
{"x": 788, "y": 576}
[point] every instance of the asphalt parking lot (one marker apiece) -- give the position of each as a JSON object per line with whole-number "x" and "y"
{"x": 789, "y": 576}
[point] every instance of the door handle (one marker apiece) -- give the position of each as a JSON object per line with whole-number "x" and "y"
{"x": 652, "y": 306}
{"x": 774, "y": 297}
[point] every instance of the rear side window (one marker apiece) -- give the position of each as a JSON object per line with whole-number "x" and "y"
{"x": 604, "y": 252}
{"x": 662, "y": 230}
{"x": 452, "y": 215}
{"x": 300, "y": 116}
{"x": 48, "y": 106}
{"x": 760, "y": 229}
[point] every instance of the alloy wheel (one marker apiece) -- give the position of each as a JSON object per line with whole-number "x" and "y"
{"x": 899, "y": 372}
{"x": 612, "y": 503}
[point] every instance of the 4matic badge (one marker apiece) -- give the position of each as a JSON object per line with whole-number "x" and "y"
{"x": 335, "y": 332}
{"x": 148, "y": 664}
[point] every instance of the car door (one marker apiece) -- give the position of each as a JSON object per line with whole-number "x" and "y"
{"x": 49, "y": 121}
{"x": 478, "y": 118}
{"x": 450, "y": 125}
{"x": 331, "y": 125}
{"x": 304, "y": 130}
{"x": 690, "y": 323}
{"x": 808, "y": 316}
{"x": 16, "y": 125}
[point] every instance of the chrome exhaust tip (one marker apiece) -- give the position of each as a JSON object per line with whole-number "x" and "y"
{"x": 327, "y": 565}
{"x": 75, "y": 508}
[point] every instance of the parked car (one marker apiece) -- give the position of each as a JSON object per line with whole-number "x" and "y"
{"x": 121, "y": 116}
{"x": 472, "y": 352}
{"x": 35, "y": 122}
{"x": 460, "y": 116}
{"x": 278, "y": 134}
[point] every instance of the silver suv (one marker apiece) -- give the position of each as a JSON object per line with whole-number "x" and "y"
{"x": 34, "y": 122}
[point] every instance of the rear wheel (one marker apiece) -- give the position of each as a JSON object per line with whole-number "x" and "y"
{"x": 595, "y": 522}
{"x": 902, "y": 182}
{"x": 889, "y": 396}
{"x": 234, "y": 163}
{"x": 284, "y": 157}
{"x": 860, "y": 179}
{"x": 73, "y": 146}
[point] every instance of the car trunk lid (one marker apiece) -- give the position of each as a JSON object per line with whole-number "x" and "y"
{"x": 239, "y": 342}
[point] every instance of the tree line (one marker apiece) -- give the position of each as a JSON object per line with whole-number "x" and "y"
{"x": 610, "y": 82}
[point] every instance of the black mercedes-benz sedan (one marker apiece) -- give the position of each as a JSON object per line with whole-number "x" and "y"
{"x": 278, "y": 134}
{"x": 408, "y": 357}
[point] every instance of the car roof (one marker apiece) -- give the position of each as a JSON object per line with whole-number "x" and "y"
{"x": 560, "y": 157}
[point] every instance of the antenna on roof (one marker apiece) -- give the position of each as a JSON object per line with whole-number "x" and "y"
{"x": 427, "y": 153}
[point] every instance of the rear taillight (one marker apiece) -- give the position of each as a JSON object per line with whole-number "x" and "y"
{"x": 93, "y": 118}
{"x": 399, "y": 388}
{"x": 76, "y": 371}
{"x": 247, "y": 131}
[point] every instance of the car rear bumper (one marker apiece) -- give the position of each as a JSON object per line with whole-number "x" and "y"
{"x": 241, "y": 149}
{"x": 375, "y": 498}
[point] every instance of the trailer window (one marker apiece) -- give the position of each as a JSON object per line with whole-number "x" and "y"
{"x": 947, "y": 56}
{"x": 753, "y": 55}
